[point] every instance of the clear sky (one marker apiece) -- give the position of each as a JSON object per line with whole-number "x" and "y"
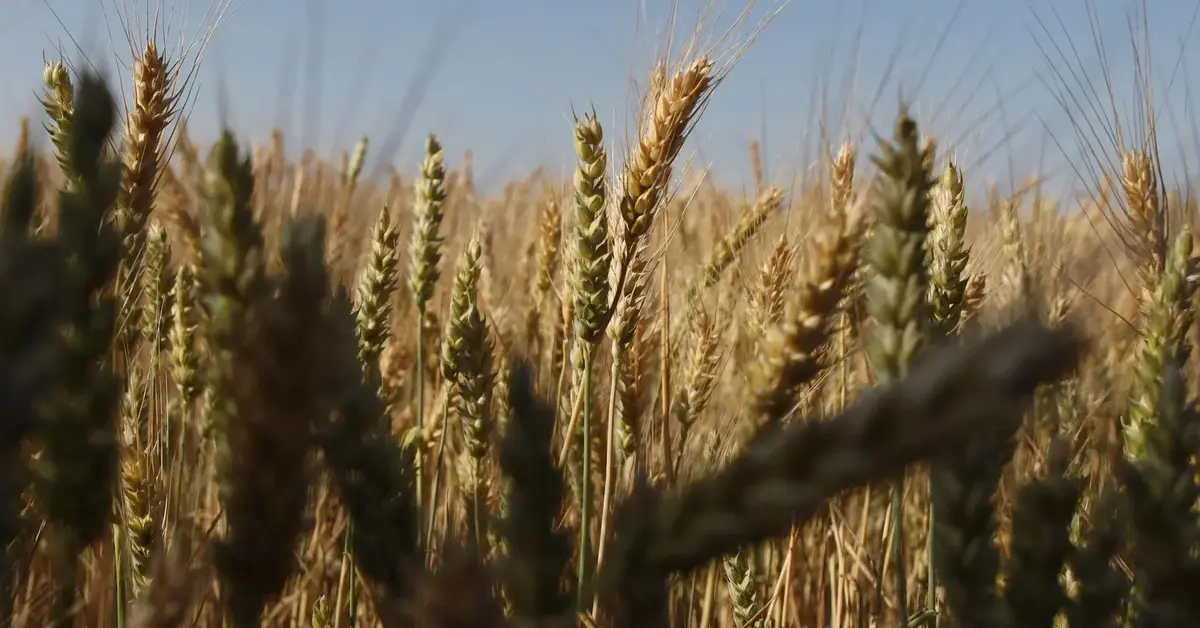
{"x": 505, "y": 74}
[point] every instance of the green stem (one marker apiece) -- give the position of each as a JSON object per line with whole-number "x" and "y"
{"x": 931, "y": 572}
{"x": 585, "y": 497}
{"x": 437, "y": 474}
{"x": 609, "y": 462}
{"x": 419, "y": 392}
{"x": 898, "y": 551}
{"x": 351, "y": 576}
{"x": 120, "y": 545}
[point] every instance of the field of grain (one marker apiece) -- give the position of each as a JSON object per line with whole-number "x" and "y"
{"x": 242, "y": 390}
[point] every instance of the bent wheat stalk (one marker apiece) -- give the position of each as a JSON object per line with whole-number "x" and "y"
{"x": 783, "y": 476}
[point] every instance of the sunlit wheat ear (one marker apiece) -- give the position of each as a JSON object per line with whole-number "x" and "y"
{"x": 548, "y": 243}
{"x": 841, "y": 177}
{"x": 425, "y": 255}
{"x": 143, "y": 156}
{"x": 464, "y": 318}
{"x": 376, "y": 287}
{"x": 672, "y": 106}
{"x": 948, "y": 251}
{"x": 769, "y": 297}
{"x": 145, "y": 127}
{"x": 322, "y": 615}
{"x": 502, "y": 359}
{"x": 704, "y": 362}
{"x": 373, "y": 307}
{"x": 782, "y": 478}
{"x": 59, "y": 103}
{"x": 182, "y": 359}
{"x": 793, "y": 352}
{"x": 467, "y": 364}
{"x": 1148, "y": 240}
{"x": 1169, "y": 316}
{"x": 1016, "y": 280}
{"x": 928, "y": 153}
{"x": 357, "y": 158}
{"x": 588, "y": 287}
{"x": 425, "y": 250}
{"x": 353, "y": 171}
{"x": 592, "y": 251}
{"x": 725, "y": 252}
{"x": 975, "y": 292}
{"x": 153, "y": 311}
{"x": 341, "y": 208}
{"x": 139, "y": 523}
{"x": 459, "y": 356}
{"x": 841, "y": 183}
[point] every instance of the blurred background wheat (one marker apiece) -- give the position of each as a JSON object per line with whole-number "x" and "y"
{"x": 247, "y": 386}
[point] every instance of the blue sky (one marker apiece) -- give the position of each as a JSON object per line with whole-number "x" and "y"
{"x": 508, "y": 72}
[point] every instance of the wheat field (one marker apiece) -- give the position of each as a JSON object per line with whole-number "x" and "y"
{"x": 243, "y": 390}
